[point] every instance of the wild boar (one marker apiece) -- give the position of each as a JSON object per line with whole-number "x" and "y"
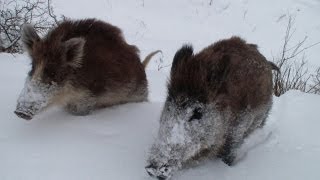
{"x": 81, "y": 65}
{"x": 216, "y": 98}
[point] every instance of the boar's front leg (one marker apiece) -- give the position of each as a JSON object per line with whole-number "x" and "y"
{"x": 81, "y": 108}
{"x": 228, "y": 153}
{"x": 235, "y": 138}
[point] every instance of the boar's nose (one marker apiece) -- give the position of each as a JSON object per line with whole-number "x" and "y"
{"x": 161, "y": 177}
{"x": 151, "y": 169}
{"x": 161, "y": 173}
{"x": 23, "y": 115}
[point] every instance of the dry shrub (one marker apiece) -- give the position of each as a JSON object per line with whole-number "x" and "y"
{"x": 15, "y": 13}
{"x": 294, "y": 72}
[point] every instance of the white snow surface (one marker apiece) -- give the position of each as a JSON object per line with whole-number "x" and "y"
{"x": 113, "y": 143}
{"x": 167, "y": 24}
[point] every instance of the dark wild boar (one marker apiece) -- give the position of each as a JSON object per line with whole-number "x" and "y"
{"x": 216, "y": 98}
{"x": 82, "y": 65}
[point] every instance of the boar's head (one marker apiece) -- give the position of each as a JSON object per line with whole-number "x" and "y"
{"x": 190, "y": 121}
{"x": 53, "y": 59}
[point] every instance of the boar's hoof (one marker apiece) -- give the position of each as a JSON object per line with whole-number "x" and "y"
{"x": 229, "y": 160}
{"x": 23, "y": 115}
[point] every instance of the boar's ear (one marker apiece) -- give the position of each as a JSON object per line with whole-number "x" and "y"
{"x": 74, "y": 51}
{"x": 29, "y": 37}
{"x": 182, "y": 55}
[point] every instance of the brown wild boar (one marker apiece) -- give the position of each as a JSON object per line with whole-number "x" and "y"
{"x": 82, "y": 65}
{"x": 216, "y": 98}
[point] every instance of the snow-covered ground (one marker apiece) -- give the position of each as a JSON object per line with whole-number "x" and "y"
{"x": 167, "y": 24}
{"x": 113, "y": 143}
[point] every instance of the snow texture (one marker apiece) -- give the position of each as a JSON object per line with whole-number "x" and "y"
{"x": 113, "y": 143}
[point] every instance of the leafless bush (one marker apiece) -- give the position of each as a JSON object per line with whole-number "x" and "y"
{"x": 1, "y": 46}
{"x": 161, "y": 64}
{"x": 294, "y": 73}
{"x": 315, "y": 87}
{"x": 15, "y": 13}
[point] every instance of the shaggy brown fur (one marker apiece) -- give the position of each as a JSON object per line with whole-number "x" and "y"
{"x": 230, "y": 70}
{"x": 107, "y": 61}
{"x": 216, "y": 98}
{"x": 91, "y": 63}
{"x": 235, "y": 77}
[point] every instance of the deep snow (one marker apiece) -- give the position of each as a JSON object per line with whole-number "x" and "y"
{"x": 167, "y": 24}
{"x": 113, "y": 143}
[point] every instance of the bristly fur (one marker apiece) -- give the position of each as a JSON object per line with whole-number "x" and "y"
{"x": 90, "y": 63}
{"x": 96, "y": 49}
{"x": 216, "y": 98}
{"x": 188, "y": 76}
{"x": 75, "y": 51}
{"x": 220, "y": 70}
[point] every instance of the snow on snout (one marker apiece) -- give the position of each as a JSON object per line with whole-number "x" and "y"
{"x": 31, "y": 92}
{"x": 34, "y": 97}
{"x": 179, "y": 134}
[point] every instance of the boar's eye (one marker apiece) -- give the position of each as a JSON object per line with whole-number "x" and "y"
{"x": 197, "y": 114}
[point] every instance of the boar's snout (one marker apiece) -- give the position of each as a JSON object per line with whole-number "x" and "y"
{"x": 33, "y": 98}
{"x": 23, "y": 115}
{"x": 25, "y": 111}
{"x": 161, "y": 173}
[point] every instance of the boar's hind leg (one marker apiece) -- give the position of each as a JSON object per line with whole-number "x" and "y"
{"x": 81, "y": 108}
{"x": 264, "y": 117}
{"x": 260, "y": 120}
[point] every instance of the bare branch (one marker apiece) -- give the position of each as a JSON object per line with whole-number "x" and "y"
{"x": 15, "y": 13}
{"x": 51, "y": 13}
{"x": 293, "y": 67}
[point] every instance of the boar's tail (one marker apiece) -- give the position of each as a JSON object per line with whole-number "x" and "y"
{"x": 274, "y": 67}
{"x": 146, "y": 60}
